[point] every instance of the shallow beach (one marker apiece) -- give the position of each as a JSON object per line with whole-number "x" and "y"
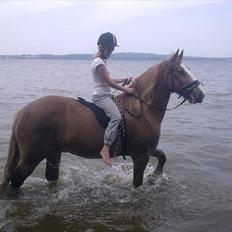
{"x": 194, "y": 194}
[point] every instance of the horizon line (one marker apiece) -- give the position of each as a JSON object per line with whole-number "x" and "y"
{"x": 115, "y": 53}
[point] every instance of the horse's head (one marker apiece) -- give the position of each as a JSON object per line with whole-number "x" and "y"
{"x": 182, "y": 81}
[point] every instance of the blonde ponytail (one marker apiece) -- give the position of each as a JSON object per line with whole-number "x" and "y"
{"x": 100, "y": 52}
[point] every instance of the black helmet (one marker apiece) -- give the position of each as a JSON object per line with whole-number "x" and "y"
{"x": 107, "y": 39}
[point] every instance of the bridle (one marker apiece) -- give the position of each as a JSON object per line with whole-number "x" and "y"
{"x": 187, "y": 89}
{"x": 185, "y": 92}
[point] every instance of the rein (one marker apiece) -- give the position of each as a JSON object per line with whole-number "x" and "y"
{"x": 141, "y": 101}
{"x": 185, "y": 93}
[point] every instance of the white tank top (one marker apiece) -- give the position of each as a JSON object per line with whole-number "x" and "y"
{"x": 100, "y": 88}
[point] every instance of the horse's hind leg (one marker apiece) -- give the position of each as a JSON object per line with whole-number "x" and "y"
{"x": 140, "y": 163}
{"x": 24, "y": 169}
{"x": 52, "y": 166}
{"x": 160, "y": 155}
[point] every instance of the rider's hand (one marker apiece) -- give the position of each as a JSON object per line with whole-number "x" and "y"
{"x": 130, "y": 85}
{"x": 130, "y": 91}
{"x": 127, "y": 81}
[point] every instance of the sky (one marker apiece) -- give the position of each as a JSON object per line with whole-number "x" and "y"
{"x": 200, "y": 27}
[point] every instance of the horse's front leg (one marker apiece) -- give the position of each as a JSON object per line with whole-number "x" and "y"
{"x": 160, "y": 155}
{"x": 52, "y": 165}
{"x": 140, "y": 163}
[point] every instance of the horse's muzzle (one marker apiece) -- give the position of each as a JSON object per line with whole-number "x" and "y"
{"x": 200, "y": 97}
{"x": 196, "y": 96}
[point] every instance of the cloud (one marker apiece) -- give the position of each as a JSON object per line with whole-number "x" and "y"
{"x": 109, "y": 12}
{"x": 14, "y": 10}
{"x": 102, "y": 11}
{"x": 67, "y": 26}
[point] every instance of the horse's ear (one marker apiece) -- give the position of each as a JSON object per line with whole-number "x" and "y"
{"x": 181, "y": 55}
{"x": 173, "y": 58}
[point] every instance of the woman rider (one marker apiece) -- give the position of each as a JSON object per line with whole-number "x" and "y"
{"x": 102, "y": 96}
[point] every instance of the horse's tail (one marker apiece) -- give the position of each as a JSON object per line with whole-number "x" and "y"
{"x": 12, "y": 160}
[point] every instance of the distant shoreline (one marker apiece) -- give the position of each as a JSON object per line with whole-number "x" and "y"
{"x": 115, "y": 56}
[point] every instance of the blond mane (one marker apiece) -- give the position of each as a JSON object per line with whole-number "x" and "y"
{"x": 144, "y": 85}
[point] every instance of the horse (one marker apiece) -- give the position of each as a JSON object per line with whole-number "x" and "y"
{"x": 48, "y": 126}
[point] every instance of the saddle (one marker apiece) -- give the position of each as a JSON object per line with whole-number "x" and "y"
{"x": 104, "y": 121}
{"x": 100, "y": 114}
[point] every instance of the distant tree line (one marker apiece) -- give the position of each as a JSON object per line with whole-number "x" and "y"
{"x": 115, "y": 56}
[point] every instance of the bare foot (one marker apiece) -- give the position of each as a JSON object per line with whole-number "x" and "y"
{"x": 106, "y": 157}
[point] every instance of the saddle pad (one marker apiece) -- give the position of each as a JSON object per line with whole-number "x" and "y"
{"x": 100, "y": 114}
{"x": 104, "y": 121}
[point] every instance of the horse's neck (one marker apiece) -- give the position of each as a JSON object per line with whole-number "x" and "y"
{"x": 161, "y": 98}
{"x": 152, "y": 93}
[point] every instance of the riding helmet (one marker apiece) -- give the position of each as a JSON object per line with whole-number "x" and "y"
{"x": 107, "y": 39}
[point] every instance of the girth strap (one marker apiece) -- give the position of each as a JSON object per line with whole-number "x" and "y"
{"x": 122, "y": 131}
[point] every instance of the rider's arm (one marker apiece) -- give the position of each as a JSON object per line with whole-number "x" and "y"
{"x": 102, "y": 72}
{"x": 119, "y": 80}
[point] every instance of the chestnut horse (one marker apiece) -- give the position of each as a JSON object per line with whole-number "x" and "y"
{"x": 51, "y": 125}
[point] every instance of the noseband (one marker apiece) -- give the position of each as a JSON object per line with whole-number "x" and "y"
{"x": 188, "y": 89}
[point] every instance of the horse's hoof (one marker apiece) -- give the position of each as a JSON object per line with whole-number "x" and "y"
{"x": 1, "y": 193}
{"x": 158, "y": 172}
{"x": 12, "y": 189}
{"x": 137, "y": 185}
{"x": 8, "y": 192}
{"x": 2, "y": 190}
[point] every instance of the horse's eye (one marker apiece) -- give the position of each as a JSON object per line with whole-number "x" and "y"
{"x": 181, "y": 71}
